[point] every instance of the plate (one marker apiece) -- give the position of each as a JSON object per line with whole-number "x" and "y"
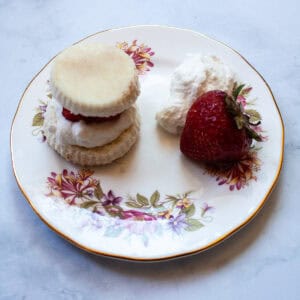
{"x": 153, "y": 203}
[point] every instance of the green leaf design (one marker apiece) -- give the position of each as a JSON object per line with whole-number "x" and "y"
{"x": 193, "y": 225}
{"x": 154, "y": 198}
{"x": 98, "y": 192}
{"x": 88, "y": 204}
{"x": 133, "y": 204}
{"x": 253, "y": 115}
{"x": 186, "y": 194}
{"x": 190, "y": 211}
{"x": 49, "y": 96}
{"x": 142, "y": 200}
{"x": 38, "y": 119}
{"x": 172, "y": 198}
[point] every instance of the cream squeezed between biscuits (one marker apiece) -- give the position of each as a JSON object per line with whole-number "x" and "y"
{"x": 92, "y": 134}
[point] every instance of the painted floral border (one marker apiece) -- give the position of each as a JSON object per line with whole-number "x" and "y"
{"x": 138, "y": 214}
{"x": 140, "y": 53}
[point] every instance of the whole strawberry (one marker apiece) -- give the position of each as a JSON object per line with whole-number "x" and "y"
{"x": 217, "y": 129}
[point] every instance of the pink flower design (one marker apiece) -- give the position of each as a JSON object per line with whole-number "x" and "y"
{"x": 238, "y": 174}
{"x": 71, "y": 186}
{"x": 205, "y": 208}
{"x": 141, "y": 55}
{"x": 137, "y": 215}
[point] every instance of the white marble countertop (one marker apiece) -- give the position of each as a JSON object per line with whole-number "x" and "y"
{"x": 262, "y": 261}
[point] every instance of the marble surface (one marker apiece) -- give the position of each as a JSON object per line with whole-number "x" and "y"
{"x": 262, "y": 261}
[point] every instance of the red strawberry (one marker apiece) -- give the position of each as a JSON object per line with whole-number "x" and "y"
{"x": 76, "y": 118}
{"x": 217, "y": 129}
{"x": 69, "y": 116}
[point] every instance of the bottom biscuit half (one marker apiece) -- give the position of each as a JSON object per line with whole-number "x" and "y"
{"x": 91, "y": 156}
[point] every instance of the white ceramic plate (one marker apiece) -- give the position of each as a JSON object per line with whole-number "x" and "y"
{"x": 139, "y": 207}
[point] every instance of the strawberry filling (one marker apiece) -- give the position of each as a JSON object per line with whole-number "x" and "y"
{"x": 76, "y": 118}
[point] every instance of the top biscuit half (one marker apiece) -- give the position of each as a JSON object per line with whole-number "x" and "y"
{"x": 93, "y": 79}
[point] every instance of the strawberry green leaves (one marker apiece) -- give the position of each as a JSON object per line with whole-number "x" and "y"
{"x": 254, "y": 116}
{"x": 244, "y": 119}
{"x": 237, "y": 90}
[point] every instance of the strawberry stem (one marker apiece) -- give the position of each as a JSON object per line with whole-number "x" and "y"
{"x": 243, "y": 119}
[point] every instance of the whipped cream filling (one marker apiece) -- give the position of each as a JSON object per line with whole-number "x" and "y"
{"x": 93, "y": 134}
{"x": 196, "y": 75}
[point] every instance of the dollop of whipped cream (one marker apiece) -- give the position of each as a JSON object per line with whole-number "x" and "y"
{"x": 196, "y": 75}
{"x": 92, "y": 134}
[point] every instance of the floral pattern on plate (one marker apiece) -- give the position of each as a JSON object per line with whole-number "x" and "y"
{"x": 141, "y": 55}
{"x": 38, "y": 118}
{"x": 239, "y": 174}
{"x": 175, "y": 213}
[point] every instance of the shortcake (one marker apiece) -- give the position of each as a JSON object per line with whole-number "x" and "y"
{"x": 92, "y": 118}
